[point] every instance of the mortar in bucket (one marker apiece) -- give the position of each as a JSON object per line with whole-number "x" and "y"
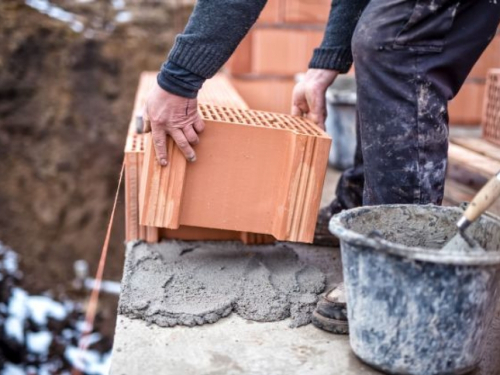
{"x": 413, "y": 309}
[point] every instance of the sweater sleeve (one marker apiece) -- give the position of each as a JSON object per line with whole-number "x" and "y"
{"x": 213, "y": 32}
{"x": 179, "y": 81}
{"x": 335, "y": 50}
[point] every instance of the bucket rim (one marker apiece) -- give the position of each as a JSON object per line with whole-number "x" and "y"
{"x": 351, "y": 237}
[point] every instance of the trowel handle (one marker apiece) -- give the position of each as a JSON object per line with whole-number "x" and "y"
{"x": 483, "y": 200}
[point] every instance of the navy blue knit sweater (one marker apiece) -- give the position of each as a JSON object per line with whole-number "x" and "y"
{"x": 216, "y": 27}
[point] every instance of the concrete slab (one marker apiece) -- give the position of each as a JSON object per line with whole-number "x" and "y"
{"x": 237, "y": 346}
{"x": 231, "y": 346}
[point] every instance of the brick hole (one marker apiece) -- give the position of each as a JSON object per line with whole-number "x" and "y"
{"x": 491, "y": 121}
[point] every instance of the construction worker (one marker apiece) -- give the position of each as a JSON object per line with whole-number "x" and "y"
{"x": 411, "y": 58}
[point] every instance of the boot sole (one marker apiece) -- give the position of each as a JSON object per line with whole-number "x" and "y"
{"x": 338, "y": 327}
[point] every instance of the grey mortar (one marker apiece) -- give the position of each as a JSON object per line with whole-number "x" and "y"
{"x": 193, "y": 283}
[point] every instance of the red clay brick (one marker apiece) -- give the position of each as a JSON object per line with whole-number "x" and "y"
{"x": 273, "y": 12}
{"x": 273, "y": 94}
{"x": 491, "y": 110}
{"x": 240, "y": 61}
{"x": 217, "y": 90}
{"x": 134, "y": 155}
{"x": 227, "y": 187}
{"x": 283, "y": 51}
{"x": 207, "y": 234}
{"x": 488, "y": 60}
{"x": 466, "y": 108}
{"x": 307, "y": 11}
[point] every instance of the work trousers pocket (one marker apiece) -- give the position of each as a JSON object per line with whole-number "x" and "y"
{"x": 427, "y": 25}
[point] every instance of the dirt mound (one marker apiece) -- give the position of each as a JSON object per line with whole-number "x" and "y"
{"x": 65, "y": 102}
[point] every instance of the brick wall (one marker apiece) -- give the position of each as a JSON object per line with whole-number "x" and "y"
{"x": 281, "y": 44}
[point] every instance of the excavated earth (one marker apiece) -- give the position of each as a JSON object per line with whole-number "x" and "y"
{"x": 66, "y": 99}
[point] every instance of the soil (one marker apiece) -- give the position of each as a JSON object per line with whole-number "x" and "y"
{"x": 66, "y": 99}
{"x": 65, "y": 103}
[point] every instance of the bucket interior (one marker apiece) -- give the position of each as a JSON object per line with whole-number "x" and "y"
{"x": 427, "y": 227}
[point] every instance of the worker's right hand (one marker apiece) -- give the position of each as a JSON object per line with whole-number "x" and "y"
{"x": 166, "y": 113}
{"x": 309, "y": 95}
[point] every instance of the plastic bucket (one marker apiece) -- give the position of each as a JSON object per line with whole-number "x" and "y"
{"x": 411, "y": 308}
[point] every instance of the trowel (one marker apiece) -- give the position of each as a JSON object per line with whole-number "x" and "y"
{"x": 480, "y": 203}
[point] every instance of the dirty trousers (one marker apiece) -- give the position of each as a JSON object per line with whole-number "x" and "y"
{"x": 410, "y": 58}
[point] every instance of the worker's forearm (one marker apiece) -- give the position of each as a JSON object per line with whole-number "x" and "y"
{"x": 335, "y": 50}
{"x": 213, "y": 32}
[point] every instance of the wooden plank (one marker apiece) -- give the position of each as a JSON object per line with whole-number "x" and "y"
{"x": 456, "y": 193}
{"x": 472, "y": 162}
{"x": 479, "y": 145}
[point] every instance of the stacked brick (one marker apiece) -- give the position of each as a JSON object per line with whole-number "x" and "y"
{"x": 491, "y": 109}
{"x": 279, "y": 46}
{"x": 467, "y": 107}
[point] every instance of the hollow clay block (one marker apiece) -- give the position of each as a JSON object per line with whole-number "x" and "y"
{"x": 266, "y": 93}
{"x": 255, "y": 172}
{"x": 491, "y": 110}
{"x": 186, "y": 233}
{"x": 216, "y": 90}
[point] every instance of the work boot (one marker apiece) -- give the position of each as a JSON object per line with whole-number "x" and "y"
{"x": 322, "y": 235}
{"x": 331, "y": 312}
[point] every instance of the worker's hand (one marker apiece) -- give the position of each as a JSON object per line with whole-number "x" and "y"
{"x": 309, "y": 95}
{"x": 166, "y": 113}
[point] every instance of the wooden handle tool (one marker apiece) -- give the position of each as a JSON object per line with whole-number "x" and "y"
{"x": 480, "y": 203}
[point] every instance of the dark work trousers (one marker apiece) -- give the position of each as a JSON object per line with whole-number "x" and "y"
{"x": 410, "y": 57}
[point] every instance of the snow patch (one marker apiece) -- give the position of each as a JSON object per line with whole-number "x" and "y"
{"x": 39, "y": 342}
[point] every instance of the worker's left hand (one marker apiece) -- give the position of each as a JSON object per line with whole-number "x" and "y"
{"x": 166, "y": 113}
{"x": 309, "y": 95}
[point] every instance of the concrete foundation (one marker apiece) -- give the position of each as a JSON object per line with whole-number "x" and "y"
{"x": 237, "y": 346}
{"x": 231, "y": 346}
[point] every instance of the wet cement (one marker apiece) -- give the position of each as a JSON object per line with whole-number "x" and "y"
{"x": 460, "y": 245}
{"x": 193, "y": 283}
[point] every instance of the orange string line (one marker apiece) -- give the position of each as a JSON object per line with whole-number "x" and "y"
{"x": 94, "y": 296}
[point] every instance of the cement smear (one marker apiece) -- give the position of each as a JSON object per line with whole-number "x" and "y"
{"x": 187, "y": 283}
{"x": 459, "y": 245}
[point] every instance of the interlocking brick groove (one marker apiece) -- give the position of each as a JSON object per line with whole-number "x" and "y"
{"x": 255, "y": 172}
